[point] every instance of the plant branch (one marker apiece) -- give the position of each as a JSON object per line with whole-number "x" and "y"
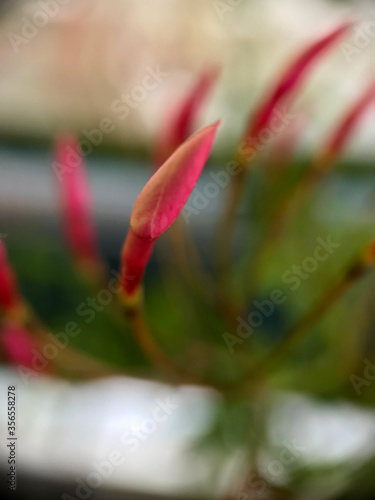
{"x": 281, "y": 215}
{"x": 142, "y": 334}
{"x": 190, "y": 264}
{"x": 361, "y": 265}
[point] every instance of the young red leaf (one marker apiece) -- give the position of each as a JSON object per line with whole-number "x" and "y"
{"x": 9, "y": 295}
{"x": 285, "y": 145}
{"x": 17, "y": 344}
{"x": 182, "y": 120}
{"x": 76, "y": 201}
{"x": 289, "y": 82}
{"x": 161, "y": 201}
{"x": 342, "y": 134}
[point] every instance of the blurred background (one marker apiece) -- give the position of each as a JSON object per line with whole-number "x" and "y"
{"x": 81, "y": 66}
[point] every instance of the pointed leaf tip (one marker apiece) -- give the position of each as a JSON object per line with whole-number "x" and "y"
{"x": 9, "y": 296}
{"x": 159, "y": 204}
{"x": 76, "y": 200}
{"x": 192, "y": 106}
{"x": 162, "y": 199}
{"x": 18, "y": 345}
{"x": 291, "y": 79}
{"x": 341, "y": 135}
{"x": 181, "y": 121}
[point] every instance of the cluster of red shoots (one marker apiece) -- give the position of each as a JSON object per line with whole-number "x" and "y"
{"x": 179, "y": 160}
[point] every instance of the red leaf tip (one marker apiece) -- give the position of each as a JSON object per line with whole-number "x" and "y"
{"x": 76, "y": 200}
{"x": 343, "y": 132}
{"x": 160, "y": 202}
{"x": 290, "y": 80}
{"x": 181, "y": 121}
{"x": 9, "y": 296}
{"x": 18, "y": 344}
{"x": 162, "y": 199}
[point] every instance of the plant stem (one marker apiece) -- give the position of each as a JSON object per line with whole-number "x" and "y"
{"x": 135, "y": 314}
{"x": 277, "y": 224}
{"x": 226, "y": 229}
{"x": 355, "y": 271}
{"x": 68, "y": 360}
{"x": 188, "y": 259}
{"x": 224, "y": 241}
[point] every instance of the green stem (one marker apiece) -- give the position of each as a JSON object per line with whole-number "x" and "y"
{"x": 359, "y": 268}
{"x": 190, "y": 264}
{"x": 277, "y": 224}
{"x": 152, "y": 350}
{"x": 68, "y": 361}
